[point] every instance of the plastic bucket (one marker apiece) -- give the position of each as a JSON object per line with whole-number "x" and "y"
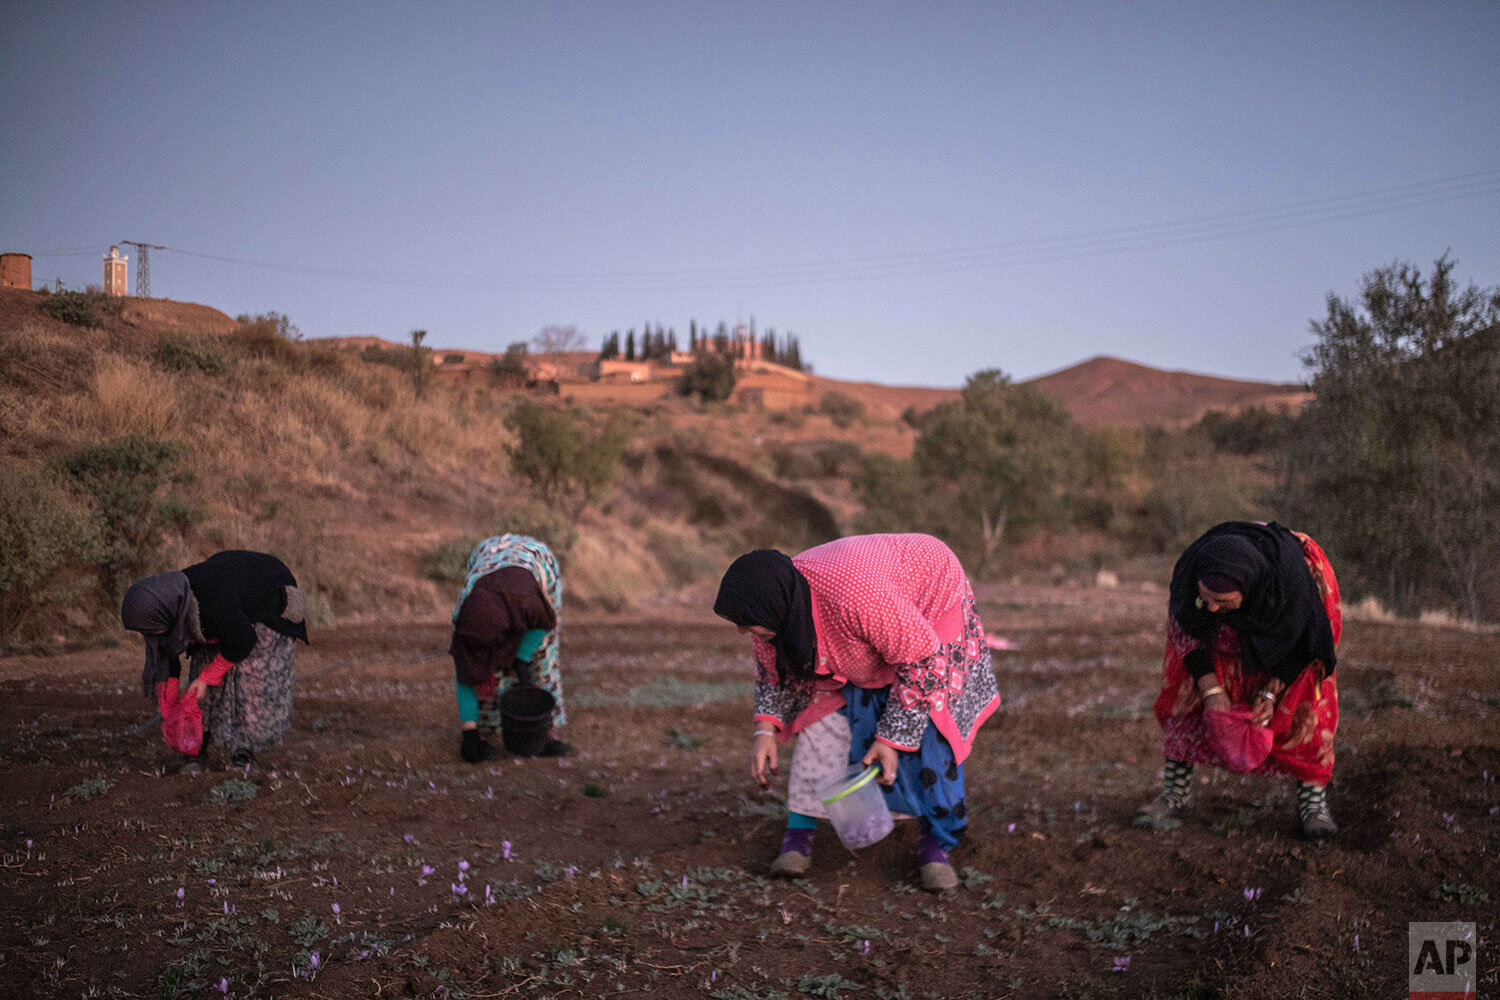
{"x": 856, "y": 807}
{"x": 525, "y": 719}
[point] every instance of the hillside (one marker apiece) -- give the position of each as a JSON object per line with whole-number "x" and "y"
{"x": 1102, "y": 391}
{"x": 1109, "y": 391}
{"x": 375, "y": 493}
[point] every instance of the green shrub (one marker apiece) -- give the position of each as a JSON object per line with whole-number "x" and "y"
{"x": 795, "y": 463}
{"x": 1253, "y": 431}
{"x": 710, "y": 377}
{"x": 841, "y": 409}
{"x": 123, "y": 478}
{"x": 553, "y": 452}
{"x": 78, "y": 308}
{"x": 268, "y": 336}
{"x": 47, "y": 541}
{"x": 914, "y": 418}
{"x": 838, "y": 458}
{"x": 448, "y": 562}
{"x": 190, "y": 354}
{"x": 510, "y": 369}
{"x": 541, "y": 522}
{"x": 92, "y": 788}
{"x": 375, "y": 354}
{"x": 233, "y": 790}
{"x": 708, "y": 510}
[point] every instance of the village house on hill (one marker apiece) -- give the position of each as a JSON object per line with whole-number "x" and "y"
{"x": 586, "y": 377}
{"x": 759, "y": 382}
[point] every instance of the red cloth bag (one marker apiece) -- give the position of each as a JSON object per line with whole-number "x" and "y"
{"x": 181, "y": 718}
{"x": 1243, "y": 745}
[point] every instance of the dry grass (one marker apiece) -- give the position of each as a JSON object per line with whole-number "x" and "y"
{"x": 133, "y": 398}
{"x": 1371, "y": 609}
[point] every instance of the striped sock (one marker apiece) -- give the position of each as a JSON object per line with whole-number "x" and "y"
{"x": 1177, "y": 781}
{"x": 1311, "y": 800}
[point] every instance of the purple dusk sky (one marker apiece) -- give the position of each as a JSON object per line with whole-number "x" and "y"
{"x": 916, "y": 190}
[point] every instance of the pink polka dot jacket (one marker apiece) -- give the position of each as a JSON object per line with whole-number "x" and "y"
{"x": 889, "y": 610}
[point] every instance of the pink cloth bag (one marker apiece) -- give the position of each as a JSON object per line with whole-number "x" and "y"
{"x": 181, "y": 718}
{"x": 1243, "y": 745}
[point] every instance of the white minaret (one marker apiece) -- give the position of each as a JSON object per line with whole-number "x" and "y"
{"x": 115, "y": 282}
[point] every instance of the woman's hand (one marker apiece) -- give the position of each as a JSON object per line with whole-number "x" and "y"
{"x": 1214, "y": 698}
{"x": 888, "y": 757}
{"x": 1262, "y": 708}
{"x": 198, "y": 689}
{"x": 763, "y": 758}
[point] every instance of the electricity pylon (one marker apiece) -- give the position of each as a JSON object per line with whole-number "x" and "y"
{"x": 143, "y": 267}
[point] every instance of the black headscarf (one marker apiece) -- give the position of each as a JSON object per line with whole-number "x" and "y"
{"x": 1282, "y": 623}
{"x": 158, "y": 604}
{"x": 764, "y": 588}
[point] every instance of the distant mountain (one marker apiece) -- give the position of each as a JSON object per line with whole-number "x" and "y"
{"x": 1105, "y": 391}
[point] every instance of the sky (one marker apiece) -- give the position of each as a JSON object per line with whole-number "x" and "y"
{"x": 917, "y": 191}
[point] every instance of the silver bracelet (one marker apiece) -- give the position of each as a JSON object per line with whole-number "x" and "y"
{"x": 765, "y": 732}
{"x": 1263, "y": 693}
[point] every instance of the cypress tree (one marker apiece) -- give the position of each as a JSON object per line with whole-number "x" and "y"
{"x": 630, "y": 344}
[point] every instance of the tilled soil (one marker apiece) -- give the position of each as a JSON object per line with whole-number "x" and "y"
{"x": 642, "y": 863}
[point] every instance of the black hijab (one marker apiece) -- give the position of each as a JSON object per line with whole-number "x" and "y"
{"x": 158, "y": 604}
{"x": 764, "y": 588}
{"x": 1282, "y": 623}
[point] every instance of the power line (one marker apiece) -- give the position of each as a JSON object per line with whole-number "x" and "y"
{"x": 996, "y": 255}
{"x": 1000, "y": 254}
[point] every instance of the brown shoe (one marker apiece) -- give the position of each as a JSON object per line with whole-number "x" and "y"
{"x": 1160, "y": 814}
{"x": 790, "y": 864}
{"x": 1319, "y": 825}
{"x": 938, "y": 877}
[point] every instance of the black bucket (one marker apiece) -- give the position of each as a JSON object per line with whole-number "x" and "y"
{"x": 525, "y": 719}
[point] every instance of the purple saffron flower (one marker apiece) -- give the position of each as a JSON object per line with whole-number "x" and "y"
{"x": 428, "y": 869}
{"x": 407, "y": 838}
{"x": 1010, "y": 828}
{"x": 463, "y": 866}
{"x": 1122, "y": 963}
{"x": 1251, "y": 895}
{"x": 1356, "y": 942}
{"x": 505, "y": 849}
{"x": 181, "y": 892}
{"x": 459, "y": 889}
{"x": 223, "y": 986}
{"x": 864, "y": 948}
{"x": 314, "y": 962}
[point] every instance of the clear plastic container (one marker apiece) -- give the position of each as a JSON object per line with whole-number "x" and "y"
{"x": 856, "y": 807}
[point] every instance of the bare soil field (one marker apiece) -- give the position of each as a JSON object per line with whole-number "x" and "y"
{"x": 361, "y": 858}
